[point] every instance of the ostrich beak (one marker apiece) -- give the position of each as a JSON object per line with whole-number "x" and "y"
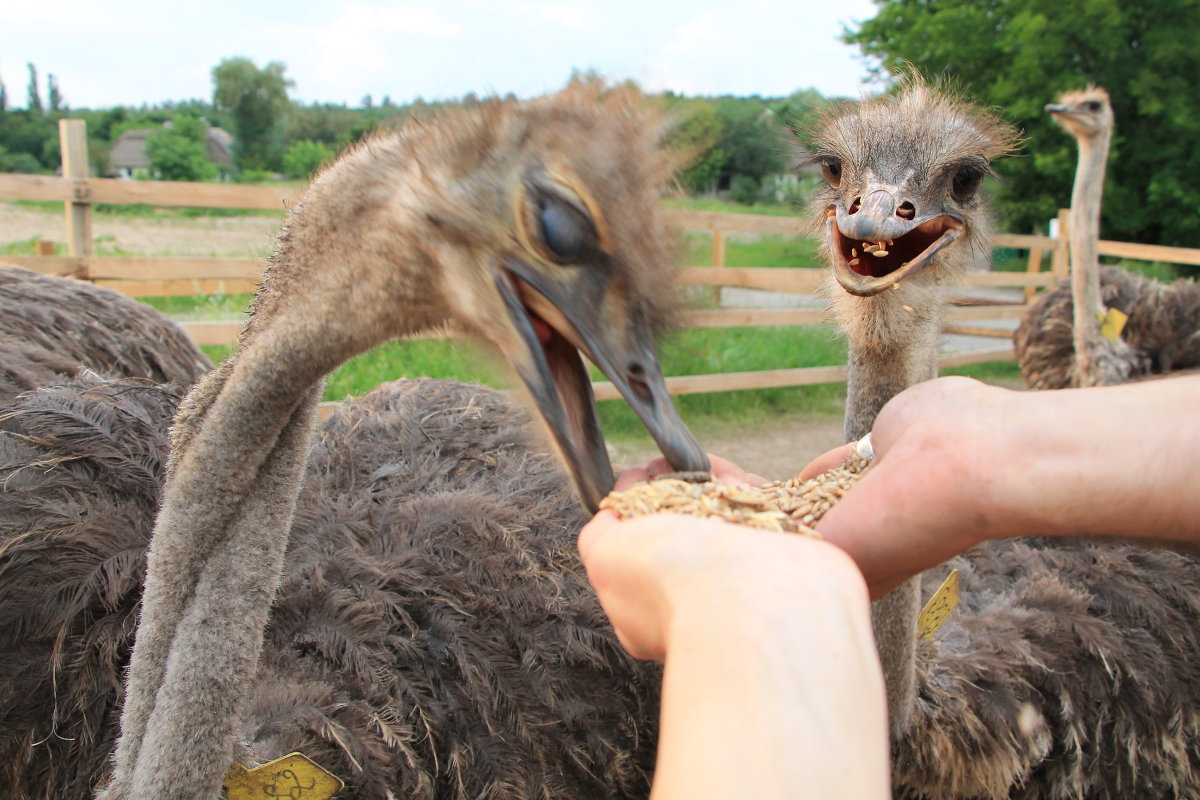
{"x": 556, "y": 320}
{"x": 877, "y": 243}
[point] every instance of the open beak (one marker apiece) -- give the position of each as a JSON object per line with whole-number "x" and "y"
{"x": 555, "y": 321}
{"x": 875, "y": 243}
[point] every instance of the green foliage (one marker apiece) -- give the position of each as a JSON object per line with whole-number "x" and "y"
{"x": 744, "y": 189}
{"x": 257, "y": 102}
{"x": 177, "y": 152}
{"x": 1019, "y": 55}
{"x": 55, "y": 98}
{"x": 697, "y": 135}
{"x": 304, "y": 158}
{"x": 33, "y": 97}
{"x": 254, "y": 176}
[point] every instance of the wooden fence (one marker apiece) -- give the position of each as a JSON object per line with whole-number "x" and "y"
{"x": 145, "y": 277}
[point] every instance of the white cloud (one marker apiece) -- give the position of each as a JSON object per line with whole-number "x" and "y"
{"x": 566, "y": 16}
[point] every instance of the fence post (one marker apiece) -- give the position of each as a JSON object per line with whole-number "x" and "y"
{"x": 1060, "y": 262}
{"x": 718, "y": 248}
{"x": 718, "y": 260}
{"x": 73, "y": 140}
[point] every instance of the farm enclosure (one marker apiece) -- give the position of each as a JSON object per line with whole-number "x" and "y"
{"x": 199, "y": 262}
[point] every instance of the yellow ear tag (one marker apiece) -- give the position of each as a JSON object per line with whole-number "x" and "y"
{"x": 939, "y": 606}
{"x": 1112, "y": 322}
{"x": 294, "y": 777}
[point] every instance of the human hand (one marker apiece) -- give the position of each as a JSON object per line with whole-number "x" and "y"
{"x": 649, "y": 571}
{"x": 938, "y": 486}
{"x": 764, "y": 633}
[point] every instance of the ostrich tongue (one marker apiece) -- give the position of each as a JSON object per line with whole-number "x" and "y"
{"x": 791, "y": 506}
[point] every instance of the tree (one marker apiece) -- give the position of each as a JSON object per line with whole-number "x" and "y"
{"x": 257, "y": 102}
{"x": 34, "y": 103}
{"x": 304, "y": 158}
{"x": 1019, "y": 54}
{"x": 697, "y": 135}
{"x": 55, "y": 100}
{"x": 177, "y": 152}
{"x": 755, "y": 142}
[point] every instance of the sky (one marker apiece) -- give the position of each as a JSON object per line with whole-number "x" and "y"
{"x": 131, "y": 52}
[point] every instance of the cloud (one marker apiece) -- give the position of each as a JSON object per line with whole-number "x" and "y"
{"x": 565, "y": 16}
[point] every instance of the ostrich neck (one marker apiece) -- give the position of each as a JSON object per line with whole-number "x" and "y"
{"x": 1084, "y": 235}
{"x": 876, "y": 375}
{"x": 240, "y": 445}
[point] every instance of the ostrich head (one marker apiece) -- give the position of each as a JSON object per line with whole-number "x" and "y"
{"x": 903, "y": 175}
{"x": 535, "y": 227}
{"x": 1086, "y": 113}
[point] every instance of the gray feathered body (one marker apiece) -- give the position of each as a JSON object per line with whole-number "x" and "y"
{"x": 1162, "y": 334}
{"x": 1068, "y": 670}
{"x": 434, "y": 635}
{"x": 50, "y": 327}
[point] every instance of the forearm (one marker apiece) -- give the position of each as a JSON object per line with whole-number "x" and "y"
{"x": 773, "y": 690}
{"x": 1113, "y": 461}
{"x": 961, "y": 463}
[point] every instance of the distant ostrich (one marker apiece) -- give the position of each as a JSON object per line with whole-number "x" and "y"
{"x": 1059, "y": 343}
{"x": 435, "y": 634}
{"x": 1067, "y": 670}
{"x": 51, "y": 327}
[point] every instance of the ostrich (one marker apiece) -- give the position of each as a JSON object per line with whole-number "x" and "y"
{"x": 536, "y": 227}
{"x": 433, "y": 633}
{"x": 51, "y": 327}
{"x": 1068, "y": 669}
{"x": 1059, "y": 342}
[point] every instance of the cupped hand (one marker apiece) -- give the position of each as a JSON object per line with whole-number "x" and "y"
{"x": 648, "y": 570}
{"x": 932, "y": 491}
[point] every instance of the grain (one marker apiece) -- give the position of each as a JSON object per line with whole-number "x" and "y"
{"x": 792, "y": 506}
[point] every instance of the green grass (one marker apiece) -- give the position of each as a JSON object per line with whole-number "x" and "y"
{"x": 23, "y": 247}
{"x": 1001, "y": 373}
{"x": 201, "y": 306}
{"x": 708, "y": 203}
{"x": 689, "y": 352}
{"x": 768, "y": 250}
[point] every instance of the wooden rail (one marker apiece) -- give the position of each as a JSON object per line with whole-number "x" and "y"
{"x": 142, "y": 276}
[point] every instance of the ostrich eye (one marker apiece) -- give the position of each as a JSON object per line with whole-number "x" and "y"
{"x": 1092, "y": 105}
{"x": 566, "y": 233}
{"x": 965, "y": 182}
{"x": 832, "y": 170}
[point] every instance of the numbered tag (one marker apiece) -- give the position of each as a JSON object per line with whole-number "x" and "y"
{"x": 939, "y": 606}
{"x": 1112, "y": 322}
{"x": 294, "y": 777}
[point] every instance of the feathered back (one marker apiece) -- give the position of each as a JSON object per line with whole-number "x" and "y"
{"x": 81, "y": 466}
{"x": 1068, "y": 670}
{"x": 1162, "y": 333}
{"x": 51, "y": 327}
{"x": 434, "y": 633}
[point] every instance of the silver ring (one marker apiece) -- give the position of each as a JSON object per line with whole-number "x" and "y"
{"x": 864, "y": 449}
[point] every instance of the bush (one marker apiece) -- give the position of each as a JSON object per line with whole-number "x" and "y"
{"x": 254, "y": 176}
{"x": 744, "y": 189}
{"x": 304, "y": 158}
{"x": 177, "y": 152}
{"x": 24, "y": 163}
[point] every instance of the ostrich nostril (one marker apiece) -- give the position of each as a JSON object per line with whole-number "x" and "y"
{"x": 906, "y": 210}
{"x": 635, "y": 373}
{"x": 854, "y": 206}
